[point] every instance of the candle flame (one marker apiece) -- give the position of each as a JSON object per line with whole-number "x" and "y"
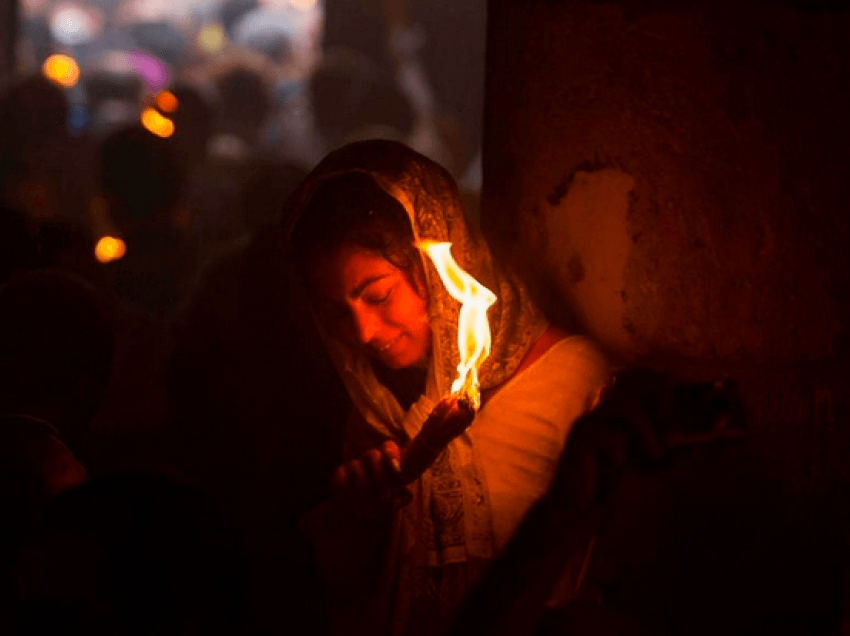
{"x": 473, "y": 330}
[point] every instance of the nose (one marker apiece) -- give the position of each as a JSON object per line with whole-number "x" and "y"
{"x": 367, "y": 324}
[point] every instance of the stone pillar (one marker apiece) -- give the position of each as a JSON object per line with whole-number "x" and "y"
{"x": 676, "y": 178}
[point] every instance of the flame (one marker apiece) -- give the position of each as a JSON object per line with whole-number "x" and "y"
{"x": 157, "y": 124}
{"x": 109, "y": 248}
{"x": 473, "y": 330}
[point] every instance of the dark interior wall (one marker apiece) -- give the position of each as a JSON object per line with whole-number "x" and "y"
{"x": 8, "y": 20}
{"x": 675, "y": 178}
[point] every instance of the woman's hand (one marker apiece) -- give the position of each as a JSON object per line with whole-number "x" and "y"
{"x": 370, "y": 485}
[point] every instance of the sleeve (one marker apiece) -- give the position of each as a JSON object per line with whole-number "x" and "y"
{"x": 589, "y": 372}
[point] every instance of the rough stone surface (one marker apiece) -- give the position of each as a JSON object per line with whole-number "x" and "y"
{"x": 732, "y": 123}
{"x": 676, "y": 180}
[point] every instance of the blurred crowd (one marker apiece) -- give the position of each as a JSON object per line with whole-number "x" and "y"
{"x": 151, "y": 374}
{"x": 246, "y": 82}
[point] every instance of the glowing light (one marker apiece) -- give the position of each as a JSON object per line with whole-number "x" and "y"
{"x": 61, "y": 69}
{"x": 211, "y": 38}
{"x": 109, "y": 248}
{"x": 167, "y": 102}
{"x": 72, "y": 24}
{"x": 152, "y": 70}
{"x": 473, "y": 330}
{"x": 302, "y": 4}
{"x": 157, "y": 124}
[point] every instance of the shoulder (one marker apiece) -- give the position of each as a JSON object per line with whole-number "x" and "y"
{"x": 573, "y": 369}
{"x": 581, "y": 351}
{"x": 575, "y": 365}
{"x": 578, "y": 353}
{"x": 562, "y": 366}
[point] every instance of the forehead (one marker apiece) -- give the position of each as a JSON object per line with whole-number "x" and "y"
{"x": 338, "y": 274}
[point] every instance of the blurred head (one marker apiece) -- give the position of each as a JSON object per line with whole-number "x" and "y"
{"x": 348, "y": 93}
{"x": 18, "y": 250}
{"x": 33, "y": 114}
{"x": 276, "y": 46}
{"x": 193, "y": 123}
{"x": 232, "y": 11}
{"x": 246, "y": 101}
{"x": 106, "y": 86}
{"x": 55, "y": 347}
{"x": 140, "y": 177}
{"x": 355, "y": 247}
{"x": 159, "y": 38}
{"x": 265, "y": 192}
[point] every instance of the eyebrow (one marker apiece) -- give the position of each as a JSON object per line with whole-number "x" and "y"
{"x": 362, "y": 285}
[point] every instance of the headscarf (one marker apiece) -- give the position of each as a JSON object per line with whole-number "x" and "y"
{"x": 442, "y": 541}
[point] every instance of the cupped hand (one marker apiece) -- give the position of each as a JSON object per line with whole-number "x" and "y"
{"x": 369, "y": 486}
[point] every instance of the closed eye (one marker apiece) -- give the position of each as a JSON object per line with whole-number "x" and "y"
{"x": 378, "y": 300}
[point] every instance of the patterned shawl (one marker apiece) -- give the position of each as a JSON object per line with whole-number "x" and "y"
{"x": 441, "y": 542}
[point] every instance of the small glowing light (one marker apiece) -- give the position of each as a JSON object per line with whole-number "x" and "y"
{"x": 109, "y": 248}
{"x": 72, "y": 24}
{"x": 61, "y": 69}
{"x": 167, "y": 102}
{"x": 473, "y": 330}
{"x": 157, "y": 124}
{"x": 211, "y": 38}
{"x": 302, "y": 4}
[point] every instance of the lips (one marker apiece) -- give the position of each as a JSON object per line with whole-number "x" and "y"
{"x": 386, "y": 347}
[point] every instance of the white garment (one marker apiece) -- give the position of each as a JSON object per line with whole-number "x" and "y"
{"x": 520, "y": 432}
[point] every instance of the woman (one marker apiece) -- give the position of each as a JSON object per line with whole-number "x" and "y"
{"x": 402, "y": 561}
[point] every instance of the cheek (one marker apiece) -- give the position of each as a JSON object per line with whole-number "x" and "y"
{"x": 406, "y": 311}
{"x": 412, "y": 316}
{"x": 423, "y": 337}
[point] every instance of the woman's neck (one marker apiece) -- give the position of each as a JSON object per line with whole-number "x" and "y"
{"x": 407, "y": 385}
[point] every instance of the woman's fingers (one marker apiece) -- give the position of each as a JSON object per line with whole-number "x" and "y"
{"x": 392, "y": 457}
{"x": 396, "y": 495}
{"x": 377, "y": 472}
{"x": 349, "y": 487}
{"x": 368, "y": 484}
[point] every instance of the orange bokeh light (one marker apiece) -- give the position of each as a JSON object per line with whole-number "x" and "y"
{"x": 167, "y": 102}
{"x": 109, "y": 248}
{"x": 157, "y": 124}
{"x": 61, "y": 69}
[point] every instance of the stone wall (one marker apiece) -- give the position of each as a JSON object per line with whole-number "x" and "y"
{"x": 674, "y": 178}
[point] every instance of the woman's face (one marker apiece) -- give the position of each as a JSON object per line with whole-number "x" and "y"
{"x": 367, "y": 301}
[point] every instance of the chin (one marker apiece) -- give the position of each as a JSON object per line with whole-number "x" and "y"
{"x": 402, "y": 360}
{"x": 396, "y": 363}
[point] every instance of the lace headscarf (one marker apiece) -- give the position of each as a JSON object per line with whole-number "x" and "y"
{"x": 442, "y": 540}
